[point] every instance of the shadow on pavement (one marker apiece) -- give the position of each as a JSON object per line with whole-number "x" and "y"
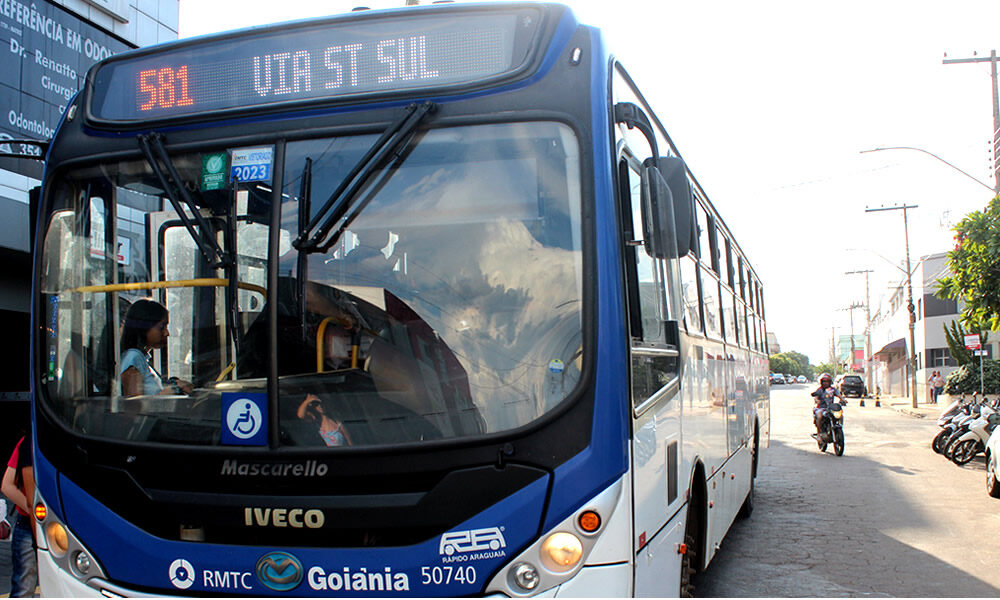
{"x": 820, "y": 530}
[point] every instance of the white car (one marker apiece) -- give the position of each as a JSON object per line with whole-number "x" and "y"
{"x": 801, "y": 379}
{"x": 992, "y": 467}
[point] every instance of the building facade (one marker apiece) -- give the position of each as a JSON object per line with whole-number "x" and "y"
{"x": 848, "y": 346}
{"x": 773, "y": 347}
{"x": 890, "y": 332}
{"x": 49, "y": 47}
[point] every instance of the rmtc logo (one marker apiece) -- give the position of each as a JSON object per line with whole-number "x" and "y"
{"x": 473, "y": 540}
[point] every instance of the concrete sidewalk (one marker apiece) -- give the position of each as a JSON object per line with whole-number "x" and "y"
{"x": 904, "y": 405}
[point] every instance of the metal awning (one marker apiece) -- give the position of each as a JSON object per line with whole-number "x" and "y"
{"x": 889, "y": 348}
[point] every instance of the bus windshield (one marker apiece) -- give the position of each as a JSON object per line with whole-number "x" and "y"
{"x": 446, "y": 304}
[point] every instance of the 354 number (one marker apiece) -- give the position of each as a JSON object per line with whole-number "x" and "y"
{"x": 164, "y": 88}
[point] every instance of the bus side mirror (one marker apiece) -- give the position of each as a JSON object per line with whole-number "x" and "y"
{"x": 674, "y": 172}
{"x": 658, "y": 234}
{"x": 668, "y": 208}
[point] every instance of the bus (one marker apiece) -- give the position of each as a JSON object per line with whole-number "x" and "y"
{"x": 448, "y": 315}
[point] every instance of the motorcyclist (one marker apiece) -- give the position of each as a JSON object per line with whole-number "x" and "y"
{"x": 824, "y": 396}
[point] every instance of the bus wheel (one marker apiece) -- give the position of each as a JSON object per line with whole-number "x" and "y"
{"x": 747, "y": 509}
{"x": 687, "y": 560}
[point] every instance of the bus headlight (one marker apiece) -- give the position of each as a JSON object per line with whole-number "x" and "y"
{"x": 66, "y": 550}
{"x": 525, "y": 576}
{"x": 561, "y": 552}
{"x": 55, "y": 534}
{"x": 555, "y": 557}
{"x": 82, "y": 562}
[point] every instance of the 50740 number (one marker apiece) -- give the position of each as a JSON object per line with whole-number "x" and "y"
{"x": 446, "y": 575}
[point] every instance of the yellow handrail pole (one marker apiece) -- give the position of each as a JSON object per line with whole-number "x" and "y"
{"x": 225, "y": 372}
{"x": 157, "y": 285}
{"x": 320, "y": 335}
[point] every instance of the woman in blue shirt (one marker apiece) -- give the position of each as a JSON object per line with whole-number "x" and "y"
{"x": 144, "y": 330}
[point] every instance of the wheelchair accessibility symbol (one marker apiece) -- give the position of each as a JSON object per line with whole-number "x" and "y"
{"x": 244, "y": 418}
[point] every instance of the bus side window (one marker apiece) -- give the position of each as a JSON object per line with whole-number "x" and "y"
{"x": 689, "y": 290}
{"x": 648, "y": 270}
{"x": 710, "y": 297}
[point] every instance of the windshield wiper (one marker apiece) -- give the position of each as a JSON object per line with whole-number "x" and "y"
{"x": 302, "y": 263}
{"x": 315, "y": 237}
{"x": 153, "y": 150}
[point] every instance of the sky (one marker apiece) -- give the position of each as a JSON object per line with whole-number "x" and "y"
{"x": 771, "y": 104}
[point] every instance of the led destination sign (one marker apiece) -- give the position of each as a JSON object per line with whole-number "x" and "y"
{"x": 313, "y": 62}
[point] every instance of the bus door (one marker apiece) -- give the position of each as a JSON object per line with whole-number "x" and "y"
{"x": 196, "y": 293}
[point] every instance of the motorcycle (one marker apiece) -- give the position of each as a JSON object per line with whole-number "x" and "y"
{"x": 831, "y": 428}
{"x": 948, "y": 421}
{"x": 961, "y": 422}
{"x": 974, "y": 440}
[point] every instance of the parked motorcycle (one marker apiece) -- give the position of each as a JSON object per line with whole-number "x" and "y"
{"x": 961, "y": 422}
{"x": 831, "y": 428}
{"x": 949, "y": 419}
{"x": 974, "y": 440}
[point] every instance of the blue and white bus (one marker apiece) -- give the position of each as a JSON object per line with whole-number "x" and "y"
{"x": 457, "y": 319}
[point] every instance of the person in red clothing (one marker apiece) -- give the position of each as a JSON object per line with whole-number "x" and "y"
{"x": 19, "y": 487}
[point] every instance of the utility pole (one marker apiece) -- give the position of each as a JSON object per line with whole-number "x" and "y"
{"x": 833, "y": 346}
{"x": 868, "y": 331}
{"x": 996, "y": 109}
{"x": 912, "y": 358}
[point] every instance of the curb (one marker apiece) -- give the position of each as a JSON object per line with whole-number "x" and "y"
{"x": 909, "y": 413}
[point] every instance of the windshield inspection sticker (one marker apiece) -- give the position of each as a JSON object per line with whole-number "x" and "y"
{"x": 213, "y": 171}
{"x": 244, "y": 416}
{"x": 252, "y": 164}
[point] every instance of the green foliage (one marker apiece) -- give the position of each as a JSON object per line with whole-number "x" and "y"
{"x": 966, "y": 379}
{"x": 975, "y": 268}
{"x": 955, "y": 338}
{"x": 782, "y": 364}
{"x": 832, "y": 368}
{"x": 793, "y": 363}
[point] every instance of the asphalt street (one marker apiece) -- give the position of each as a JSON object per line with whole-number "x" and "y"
{"x": 890, "y": 518}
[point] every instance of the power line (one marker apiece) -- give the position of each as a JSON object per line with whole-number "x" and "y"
{"x": 996, "y": 108}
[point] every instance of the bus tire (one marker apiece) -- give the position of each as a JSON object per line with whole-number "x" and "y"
{"x": 747, "y": 509}
{"x": 687, "y": 562}
{"x": 694, "y": 533}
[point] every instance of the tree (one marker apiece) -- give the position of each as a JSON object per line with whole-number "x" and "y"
{"x": 831, "y": 369}
{"x": 791, "y": 362}
{"x": 955, "y": 338}
{"x": 966, "y": 379}
{"x": 975, "y": 269}
{"x": 782, "y": 364}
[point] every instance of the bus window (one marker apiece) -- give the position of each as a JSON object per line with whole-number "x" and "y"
{"x": 710, "y": 302}
{"x": 704, "y": 237}
{"x": 649, "y": 272}
{"x": 724, "y": 257}
{"x": 451, "y": 305}
{"x": 127, "y": 242}
{"x": 729, "y": 312}
{"x": 689, "y": 290}
{"x": 713, "y": 243}
{"x": 741, "y": 323}
{"x": 741, "y": 280}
